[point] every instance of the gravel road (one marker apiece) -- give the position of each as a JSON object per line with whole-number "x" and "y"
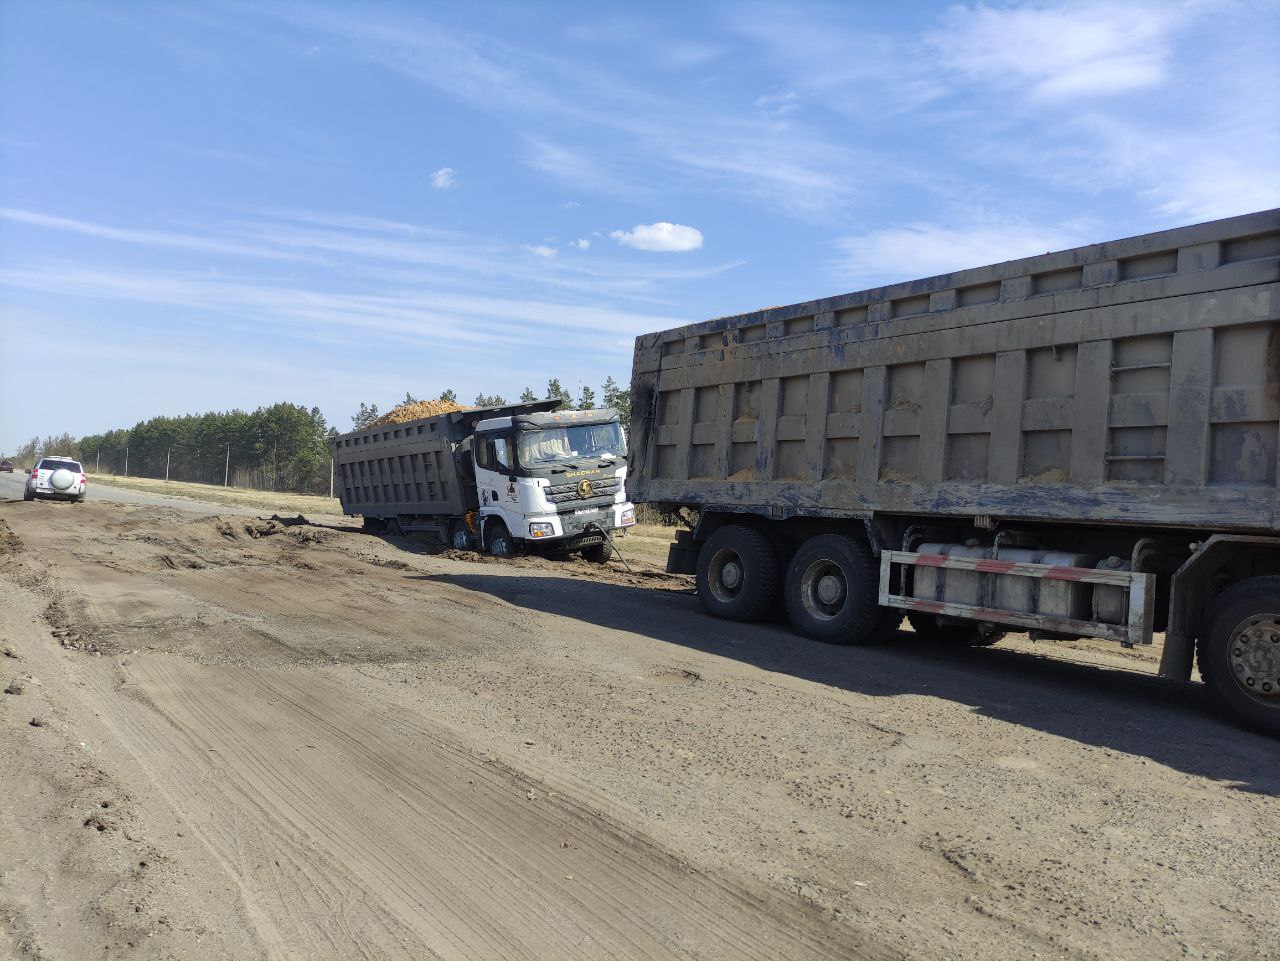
{"x": 239, "y": 738}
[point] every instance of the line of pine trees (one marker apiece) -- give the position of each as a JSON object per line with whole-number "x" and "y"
{"x": 283, "y": 447}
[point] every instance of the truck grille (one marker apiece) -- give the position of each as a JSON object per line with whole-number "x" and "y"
{"x": 560, "y": 493}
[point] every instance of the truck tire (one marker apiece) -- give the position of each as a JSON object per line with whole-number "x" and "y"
{"x": 737, "y": 574}
{"x": 965, "y": 634}
{"x": 460, "y": 537}
{"x": 1238, "y": 652}
{"x": 27, "y": 495}
{"x": 499, "y": 540}
{"x": 831, "y": 591}
{"x": 597, "y": 553}
{"x": 374, "y": 525}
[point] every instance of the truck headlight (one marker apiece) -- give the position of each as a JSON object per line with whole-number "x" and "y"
{"x": 628, "y": 517}
{"x": 542, "y": 530}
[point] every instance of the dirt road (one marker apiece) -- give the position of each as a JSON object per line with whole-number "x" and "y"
{"x": 260, "y": 740}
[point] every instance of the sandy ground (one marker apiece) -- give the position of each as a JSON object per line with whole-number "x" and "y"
{"x": 234, "y": 738}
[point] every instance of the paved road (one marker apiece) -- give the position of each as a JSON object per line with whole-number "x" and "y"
{"x": 11, "y": 487}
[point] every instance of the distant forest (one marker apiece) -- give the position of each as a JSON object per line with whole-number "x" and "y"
{"x": 284, "y": 447}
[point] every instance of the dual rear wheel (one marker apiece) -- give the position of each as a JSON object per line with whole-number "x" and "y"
{"x": 829, "y": 587}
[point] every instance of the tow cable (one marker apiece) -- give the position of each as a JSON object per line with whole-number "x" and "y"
{"x": 613, "y": 544}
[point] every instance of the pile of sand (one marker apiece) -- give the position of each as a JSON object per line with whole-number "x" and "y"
{"x": 416, "y": 411}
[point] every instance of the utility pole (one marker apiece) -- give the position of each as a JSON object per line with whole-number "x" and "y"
{"x": 226, "y": 473}
{"x": 167, "y": 452}
{"x": 330, "y": 476}
{"x": 126, "y": 460}
{"x": 97, "y": 461}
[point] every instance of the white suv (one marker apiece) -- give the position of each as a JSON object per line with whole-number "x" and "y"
{"x": 56, "y": 477}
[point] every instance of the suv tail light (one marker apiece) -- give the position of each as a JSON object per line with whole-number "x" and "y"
{"x": 83, "y": 479}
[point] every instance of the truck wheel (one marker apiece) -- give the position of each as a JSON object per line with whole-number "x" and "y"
{"x": 501, "y": 544}
{"x": 460, "y": 538}
{"x": 831, "y": 591}
{"x": 737, "y": 574}
{"x": 965, "y": 634}
{"x": 1238, "y": 652}
{"x": 597, "y": 553}
{"x": 27, "y": 495}
{"x": 375, "y": 526}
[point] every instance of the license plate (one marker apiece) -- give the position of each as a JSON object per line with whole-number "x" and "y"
{"x": 587, "y": 510}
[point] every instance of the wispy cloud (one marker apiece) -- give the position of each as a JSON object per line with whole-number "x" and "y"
{"x": 662, "y": 236}
{"x": 147, "y": 238}
{"x": 1062, "y": 51}
{"x": 541, "y": 250}
{"x": 444, "y": 178}
{"x": 924, "y": 249}
{"x": 575, "y": 168}
{"x": 796, "y": 170}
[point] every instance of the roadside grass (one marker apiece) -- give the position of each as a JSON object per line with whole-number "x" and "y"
{"x": 230, "y": 496}
{"x": 647, "y": 542}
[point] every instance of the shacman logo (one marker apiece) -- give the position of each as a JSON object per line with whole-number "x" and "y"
{"x": 584, "y": 489}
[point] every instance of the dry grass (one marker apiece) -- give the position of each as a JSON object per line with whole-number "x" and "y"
{"x": 231, "y": 496}
{"x": 648, "y": 542}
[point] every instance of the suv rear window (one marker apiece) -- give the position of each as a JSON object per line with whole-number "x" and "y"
{"x": 50, "y": 464}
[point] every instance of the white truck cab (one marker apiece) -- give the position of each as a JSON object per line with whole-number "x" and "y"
{"x": 555, "y": 478}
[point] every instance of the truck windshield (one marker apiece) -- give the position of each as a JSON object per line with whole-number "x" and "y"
{"x": 584, "y": 442}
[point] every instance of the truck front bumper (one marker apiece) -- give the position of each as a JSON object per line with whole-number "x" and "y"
{"x": 571, "y": 525}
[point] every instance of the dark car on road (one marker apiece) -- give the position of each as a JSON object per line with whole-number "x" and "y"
{"x": 6, "y": 465}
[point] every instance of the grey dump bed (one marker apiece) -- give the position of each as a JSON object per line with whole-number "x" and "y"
{"x": 417, "y": 468}
{"x": 1136, "y": 381}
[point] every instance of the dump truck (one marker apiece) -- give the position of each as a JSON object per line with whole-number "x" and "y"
{"x": 1078, "y": 444}
{"x": 501, "y": 479}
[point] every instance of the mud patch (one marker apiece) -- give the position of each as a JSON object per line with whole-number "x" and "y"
{"x": 180, "y": 563}
{"x": 10, "y": 542}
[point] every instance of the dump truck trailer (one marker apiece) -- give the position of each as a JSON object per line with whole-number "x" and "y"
{"x": 501, "y": 479}
{"x": 1079, "y": 444}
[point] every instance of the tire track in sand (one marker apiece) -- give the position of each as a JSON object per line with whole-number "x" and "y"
{"x": 378, "y": 844}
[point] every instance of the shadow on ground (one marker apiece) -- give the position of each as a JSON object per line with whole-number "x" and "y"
{"x": 1169, "y": 722}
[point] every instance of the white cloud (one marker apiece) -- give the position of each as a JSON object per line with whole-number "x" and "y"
{"x": 925, "y": 249}
{"x": 571, "y": 205}
{"x": 582, "y": 243}
{"x": 443, "y": 178}
{"x": 662, "y": 236}
{"x": 1062, "y": 51}
{"x": 542, "y": 250}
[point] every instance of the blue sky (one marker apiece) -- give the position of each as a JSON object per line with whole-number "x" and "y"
{"x": 216, "y": 205}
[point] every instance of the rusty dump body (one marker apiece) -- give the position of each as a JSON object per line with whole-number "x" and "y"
{"x": 1135, "y": 382}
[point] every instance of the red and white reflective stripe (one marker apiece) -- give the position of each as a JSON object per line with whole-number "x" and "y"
{"x": 985, "y": 565}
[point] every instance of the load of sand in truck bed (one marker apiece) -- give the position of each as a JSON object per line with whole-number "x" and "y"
{"x": 416, "y": 410}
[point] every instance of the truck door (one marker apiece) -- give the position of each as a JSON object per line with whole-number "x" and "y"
{"x": 494, "y": 481}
